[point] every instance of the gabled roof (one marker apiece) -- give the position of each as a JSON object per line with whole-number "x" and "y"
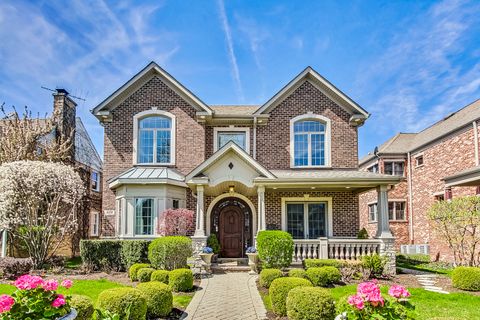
{"x": 85, "y": 151}
{"x": 151, "y": 70}
{"x": 398, "y": 144}
{"x": 234, "y": 109}
{"x": 229, "y": 147}
{"x": 323, "y": 84}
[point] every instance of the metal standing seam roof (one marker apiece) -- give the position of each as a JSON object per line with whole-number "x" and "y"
{"x": 330, "y": 175}
{"x": 145, "y": 173}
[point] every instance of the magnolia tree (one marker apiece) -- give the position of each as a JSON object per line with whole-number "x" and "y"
{"x": 38, "y": 202}
{"x": 176, "y": 222}
{"x": 458, "y": 222}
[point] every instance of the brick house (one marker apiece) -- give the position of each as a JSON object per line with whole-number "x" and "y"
{"x": 289, "y": 164}
{"x": 435, "y": 164}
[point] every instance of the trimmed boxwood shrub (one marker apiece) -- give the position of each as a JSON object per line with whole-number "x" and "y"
{"x": 268, "y": 275}
{"x": 133, "y": 271}
{"x": 11, "y": 268}
{"x": 118, "y": 300}
{"x": 318, "y": 263}
{"x": 144, "y": 274}
{"x": 297, "y": 273}
{"x": 83, "y": 305}
{"x": 466, "y": 278}
{"x": 160, "y": 276}
{"x": 134, "y": 251}
{"x": 275, "y": 248}
{"x": 324, "y": 276}
{"x": 181, "y": 280}
{"x": 279, "y": 290}
{"x": 159, "y": 298}
{"x": 307, "y": 303}
{"x": 102, "y": 255}
{"x": 170, "y": 252}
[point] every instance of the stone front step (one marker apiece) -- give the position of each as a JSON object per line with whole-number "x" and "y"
{"x": 229, "y": 268}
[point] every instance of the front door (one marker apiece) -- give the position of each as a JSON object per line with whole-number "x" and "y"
{"x": 231, "y": 232}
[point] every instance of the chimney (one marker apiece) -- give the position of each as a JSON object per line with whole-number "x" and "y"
{"x": 64, "y": 114}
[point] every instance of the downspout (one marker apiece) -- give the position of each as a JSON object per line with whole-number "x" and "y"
{"x": 410, "y": 198}
{"x": 255, "y": 137}
{"x": 475, "y": 139}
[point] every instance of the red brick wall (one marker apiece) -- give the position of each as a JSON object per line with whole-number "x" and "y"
{"x": 273, "y": 139}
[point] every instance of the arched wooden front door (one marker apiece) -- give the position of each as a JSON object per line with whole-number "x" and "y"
{"x": 231, "y": 224}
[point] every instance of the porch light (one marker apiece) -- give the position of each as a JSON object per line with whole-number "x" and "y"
{"x": 312, "y": 188}
{"x": 231, "y": 189}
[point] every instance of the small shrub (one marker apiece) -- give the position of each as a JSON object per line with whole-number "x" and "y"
{"x": 307, "y": 303}
{"x": 160, "y": 276}
{"x": 353, "y": 270}
{"x": 102, "y": 255}
{"x": 123, "y": 300}
{"x": 159, "y": 298}
{"x": 275, "y": 248}
{"x": 170, "y": 252}
{"x": 268, "y": 275}
{"x": 133, "y": 271}
{"x": 83, "y": 305}
{"x": 176, "y": 222}
{"x": 324, "y": 276}
{"x": 144, "y": 274}
{"x": 466, "y": 278}
{"x": 374, "y": 264}
{"x": 212, "y": 242}
{"x": 279, "y": 291}
{"x": 11, "y": 268}
{"x": 318, "y": 263}
{"x": 362, "y": 234}
{"x": 181, "y": 280}
{"x": 297, "y": 273}
{"x": 134, "y": 251}
{"x": 414, "y": 258}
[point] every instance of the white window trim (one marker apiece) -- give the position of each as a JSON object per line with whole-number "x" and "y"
{"x": 394, "y": 210}
{"x": 328, "y": 137}
{"x": 376, "y": 211}
{"x": 216, "y": 130}
{"x": 327, "y": 200}
{"x": 154, "y": 220}
{"x": 418, "y": 156}
{"x": 95, "y": 216}
{"x": 149, "y": 113}
{"x": 97, "y": 189}
{"x": 393, "y": 168}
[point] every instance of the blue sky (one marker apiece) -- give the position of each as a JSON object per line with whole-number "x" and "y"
{"x": 409, "y": 63}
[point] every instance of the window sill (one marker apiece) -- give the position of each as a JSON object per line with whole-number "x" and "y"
{"x": 398, "y": 221}
{"x": 310, "y": 167}
{"x": 154, "y": 164}
{"x": 419, "y": 166}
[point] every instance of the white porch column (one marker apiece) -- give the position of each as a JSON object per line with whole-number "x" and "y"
{"x": 200, "y": 224}
{"x": 4, "y": 243}
{"x": 383, "y": 225}
{"x": 262, "y": 224}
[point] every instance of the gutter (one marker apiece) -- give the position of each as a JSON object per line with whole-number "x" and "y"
{"x": 410, "y": 198}
{"x": 475, "y": 139}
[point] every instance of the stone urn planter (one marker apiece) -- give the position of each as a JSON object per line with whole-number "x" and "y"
{"x": 207, "y": 258}
{"x": 70, "y": 316}
{"x": 252, "y": 259}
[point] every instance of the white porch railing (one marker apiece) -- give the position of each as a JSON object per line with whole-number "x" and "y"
{"x": 323, "y": 248}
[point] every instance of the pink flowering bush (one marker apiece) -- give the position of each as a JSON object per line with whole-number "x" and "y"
{"x": 176, "y": 222}
{"x": 35, "y": 298}
{"x": 368, "y": 303}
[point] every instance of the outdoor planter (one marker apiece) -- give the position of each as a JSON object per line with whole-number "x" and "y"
{"x": 70, "y": 316}
{"x": 207, "y": 258}
{"x": 252, "y": 259}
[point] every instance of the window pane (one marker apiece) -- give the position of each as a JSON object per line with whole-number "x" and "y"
{"x": 388, "y": 168}
{"x": 238, "y": 137}
{"x": 143, "y": 216}
{"x": 145, "y": 146}
{"x": 163, "y": 146}
{"x": 400, "y": 210}
{"x": 398, "y": 168}
{"x": 390, "y": 210}
{"x": 301, "y": 150}
{"x": 308, "y": 126}
{"x": 295, "y": 220}
{"x": 155, "y": 123}
{"x": 316, "y": 220}
{"x": 372, "y": 211}
{"x": 318, "y": 149}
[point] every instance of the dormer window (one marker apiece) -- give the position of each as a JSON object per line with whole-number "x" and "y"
{"x": 155, "y": 138}
{"x": 310, "y": 141}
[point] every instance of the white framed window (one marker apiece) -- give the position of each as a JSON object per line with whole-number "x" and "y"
{"x": 310, "y": 137}
{"x": 373, "y": 168}
{"x": 307, "y": 218}
{"x": 175, "y": 204}
{"x": 154, "y": 138}
{"x": 394, "y": 168}
{"x": 372, "y": 212}
{"x": 144, "y": 216}
{"x": 95, "y": 181}
{"x": 419, "y": 160}
{"x": 239, "y": 135}
{"x": 396, "y": 210}
{"x": 95, "y": 224}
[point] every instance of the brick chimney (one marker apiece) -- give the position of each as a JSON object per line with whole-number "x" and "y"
{"x": 64, "y": 114}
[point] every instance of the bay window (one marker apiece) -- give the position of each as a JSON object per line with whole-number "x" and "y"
{"x": 144, "y": 216}
{"x": 394, "y": 168}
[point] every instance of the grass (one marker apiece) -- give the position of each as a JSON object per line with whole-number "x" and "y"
{"x": 422, "y": 262}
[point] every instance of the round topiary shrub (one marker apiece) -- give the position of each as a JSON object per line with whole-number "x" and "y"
{"x": 466, "y": 278}
{"x": 275, "y": 248}
{"x": 181, "y": 280}
{"x": 268, "y": 275}
{"x": 168, "y": 253}
{"x": 83, "y": 305}
{"x": 132, "y": 271}
{"x": 297, "y": 273}
{"x": 279, "y": 290}
{"x": 307, "y": 303}
{"x": 159, "y": 298}
{"x": 160, "y": 276}
{"x": 119, "y": 300}
{"x": 145, "y": 274}
{"x": 324, "y": 276}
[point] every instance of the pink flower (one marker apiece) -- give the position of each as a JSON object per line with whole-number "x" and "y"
{"x": 50, "y": 285}
{"x": 59, "y": 301}
{"x": 28, "y": 282}
{"x": 398, "y": 292}
{"x": 67, "y": 283}
{"x": 6, "y": 303}
{"x": 370, "y": 291}
{"x": 357, "y": 301}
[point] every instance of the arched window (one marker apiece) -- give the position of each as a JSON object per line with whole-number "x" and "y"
{"x": 155, "y": 137}
{"x": 310, "y": 141}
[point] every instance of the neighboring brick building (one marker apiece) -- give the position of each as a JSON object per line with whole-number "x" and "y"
{"x": 288, "y": 164}
{"x": 435, "y": 164}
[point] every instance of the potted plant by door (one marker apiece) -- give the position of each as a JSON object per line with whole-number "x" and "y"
{"x": 206, "y": 256}
{"x": 252, "y": 259}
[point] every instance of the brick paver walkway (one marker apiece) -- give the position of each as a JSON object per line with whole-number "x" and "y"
{"x": 227, "y": 296}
